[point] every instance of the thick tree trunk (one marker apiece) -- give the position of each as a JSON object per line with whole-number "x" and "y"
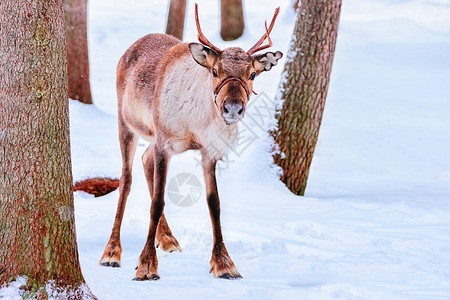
{"x": 304, "y": 89}
{"x": 75, "y": 12}
{"x": 231, "y": 19}
{"x": 175, "y": 19}
{"x": 37, "y": 233}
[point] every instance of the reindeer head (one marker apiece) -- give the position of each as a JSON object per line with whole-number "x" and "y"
{"x": 233, "y": 70}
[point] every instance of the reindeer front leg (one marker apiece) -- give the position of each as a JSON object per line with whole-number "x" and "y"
{"x": 128, "y": 141}
{"x": 148, "y": 262}
{"x": 221, "y": 264}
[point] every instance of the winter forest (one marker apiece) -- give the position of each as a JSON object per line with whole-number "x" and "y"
{"x": 229, "y": 149}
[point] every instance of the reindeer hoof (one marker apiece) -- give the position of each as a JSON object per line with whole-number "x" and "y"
{"x": 230, "y": 277}
{"x": 168, "y": 243}
{"x": 152, "y": 277}
{"x": 106, "y": 262}
{"x": 228, "y": 272}
{"x": 221, "y": 264}
{"x": 148, "y": 265}
{"x": 111, "y": 255}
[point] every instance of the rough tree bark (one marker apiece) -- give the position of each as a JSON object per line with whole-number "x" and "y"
{"x": 75, "y": 12}
{"x": 304, "y": 89}
{"x": 37, "y": 233}
{"x": 175, "y": 19}
{"x": 231, "y": 19}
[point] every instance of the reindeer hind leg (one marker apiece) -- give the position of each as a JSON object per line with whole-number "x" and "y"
{"x": 164, "y": 237}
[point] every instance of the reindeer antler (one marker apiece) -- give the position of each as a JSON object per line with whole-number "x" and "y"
{"x": 257, "y": 47}
{"x": 201, "y": 38}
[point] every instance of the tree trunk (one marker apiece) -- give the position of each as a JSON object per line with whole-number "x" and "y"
{"x": 175, "y": 19}
{"x": 304, "y": 89}
{"x": 75, "y": 12}
{"x": 37, "y": 233}
{"x": 231, "y": 19}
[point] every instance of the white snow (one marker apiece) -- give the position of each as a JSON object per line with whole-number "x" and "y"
{"x": 14, "y": 291}
{"x": 374, "y": 223}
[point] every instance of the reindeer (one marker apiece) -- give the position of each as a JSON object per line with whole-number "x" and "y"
{"x": 181, "y": 96}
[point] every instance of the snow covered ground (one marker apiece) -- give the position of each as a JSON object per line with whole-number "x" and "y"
{"x": 375, "y": 220}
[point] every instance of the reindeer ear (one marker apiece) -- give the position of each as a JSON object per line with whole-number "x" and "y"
{"x": 265, "y": 62}
{"x": 204, "y": 56}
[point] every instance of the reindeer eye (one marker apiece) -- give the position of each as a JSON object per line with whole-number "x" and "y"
{"x": 252, "y": 76}
{"x": 214, "y": 73}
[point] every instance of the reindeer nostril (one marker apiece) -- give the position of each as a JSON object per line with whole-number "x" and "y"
{"x": 240, "y": 111}
{"x": 225, "y": 109}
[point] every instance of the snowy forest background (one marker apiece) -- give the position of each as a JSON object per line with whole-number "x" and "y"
{"x": 374, "y": 220}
